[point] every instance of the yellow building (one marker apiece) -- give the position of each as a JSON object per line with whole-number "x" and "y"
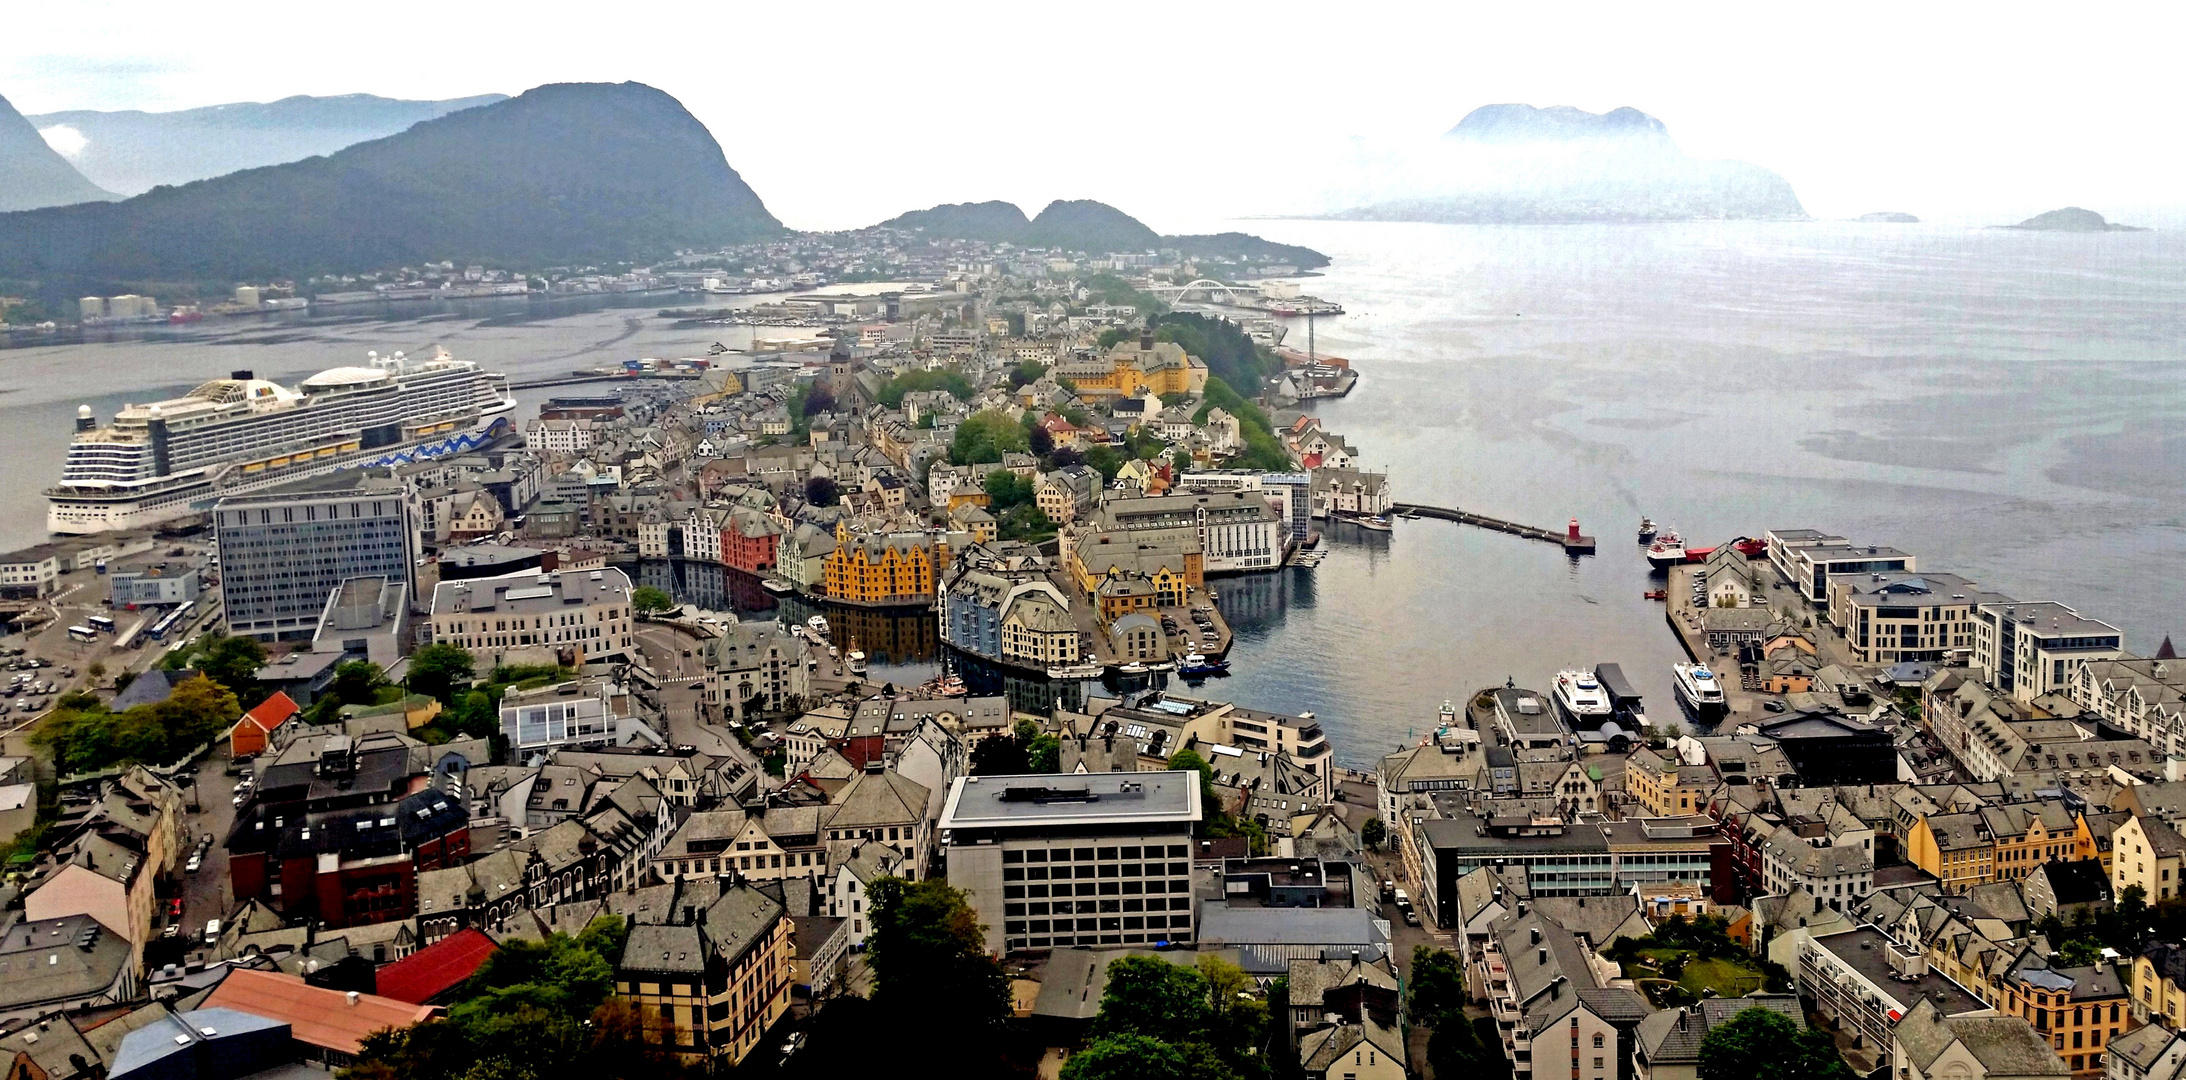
{"x": 1666, "y": 787}
{"x": 880, "y": 568}
{"x": 2147, "y": 852}
{"x": 2030, "y": 834}
{"x": 2159, "y": 985}
{"x": 1123, "y": 575}
{"x": 1131, "y": 369}
{"x": 1956, "y": 848}
{"x": 710, "y": 981}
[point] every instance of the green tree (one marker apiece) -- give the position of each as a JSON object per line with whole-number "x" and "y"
{"x": 437, "y": 668}
{"x": 647, "y": 600}
{"x": 1127, "y": 1057}
{"x": 1437, "y": 992}
{"x": 949, "y": 379}
{"x": 1006, "y": 489}
{"x": 931, "y": 971}
{"x": 233, "y": 662}
{"x": 1044, "y": 754}
{"x": 1373, "y": 833}
{"x": 1150, "y": 996}
{"x": 1763, "y": 1044}
{"x": 357, "y": 682}
{"x": 985, "y": 436}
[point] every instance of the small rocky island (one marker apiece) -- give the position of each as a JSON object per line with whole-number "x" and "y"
{"x": 2072, "y": 219}
{"x": 1891, "y": 217}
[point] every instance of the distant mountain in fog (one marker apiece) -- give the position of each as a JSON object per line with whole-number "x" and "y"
{"x": 134, "y": 151}
{"x": 2071, "y": 219}
{"x": 1518, "y": 163}
{"x": 1095, "y": 228}
{"x": 567, "y": 173}
{"x": 32, "y": 175}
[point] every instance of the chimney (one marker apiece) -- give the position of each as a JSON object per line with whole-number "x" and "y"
{"x": 1536, "y": 935}
{"x": 1544, "y": 955}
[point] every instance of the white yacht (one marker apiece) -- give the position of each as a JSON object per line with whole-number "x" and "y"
{"x": 818, "y": 625}
{"x": 1582, "y": 701}
{"x": 1699, "y": 691}
{"x": 170, "y": 458}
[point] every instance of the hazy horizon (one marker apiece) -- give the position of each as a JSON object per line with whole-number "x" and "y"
{"x": 1958, "y": 115}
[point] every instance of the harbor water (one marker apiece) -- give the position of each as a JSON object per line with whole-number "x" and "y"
{"x": 2004, "y": 405}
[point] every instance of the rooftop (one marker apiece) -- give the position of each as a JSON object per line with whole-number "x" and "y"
{"x": 1035, "y": 801}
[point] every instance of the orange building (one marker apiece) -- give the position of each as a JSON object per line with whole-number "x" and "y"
{"x": 881, "y": 568}
{"x": 250, "y": 734}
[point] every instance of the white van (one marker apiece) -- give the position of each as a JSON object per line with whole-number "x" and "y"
{"x": 1403, "y": 901}
{"x": 212, "y": 931}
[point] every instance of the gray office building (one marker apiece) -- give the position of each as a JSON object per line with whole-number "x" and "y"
{"x": 1094, "y": 859}
{"x": 284, "y": 550}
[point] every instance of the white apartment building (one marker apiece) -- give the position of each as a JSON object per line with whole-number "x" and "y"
{"x": 585, "y": 612}
{"x": 2030, "y": 649}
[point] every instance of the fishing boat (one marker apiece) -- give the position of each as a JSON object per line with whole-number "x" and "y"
{"x": 1667, "y": 551}
{"x": 1646, "y": 529}
{"x": 1196, "y": 666}
{"x": 856, "y": 659}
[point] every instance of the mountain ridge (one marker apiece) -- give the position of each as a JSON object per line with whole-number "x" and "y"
{"x": 32, "y": 174}
{"x": 132, "y": 151}
{"x": 1511, "y": 163}
{"x": 568, "y": 172}
{"x": 1086, "y": 225}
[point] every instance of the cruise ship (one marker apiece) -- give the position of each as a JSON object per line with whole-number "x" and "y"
{"x": 168, "y": 459}
{"x": 1699, "y": 691}
{"x": 1582, "y": 701}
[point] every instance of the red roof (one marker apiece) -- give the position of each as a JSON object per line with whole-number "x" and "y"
{"x": 315, "y": 1016}
{"x": 272, "y": 712}
{"x": 435, "y": 969}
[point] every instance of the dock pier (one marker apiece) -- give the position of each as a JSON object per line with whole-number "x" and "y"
{"x": 1570, "y": 540}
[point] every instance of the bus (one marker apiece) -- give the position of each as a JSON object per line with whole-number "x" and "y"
{"x": 82, "y": 633}
{"x": 168, "y": 622}
{"x": 100, "y": 623}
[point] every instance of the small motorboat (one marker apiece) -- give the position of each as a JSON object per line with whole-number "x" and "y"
{"x": 1375, "y": 524}
{"x": 1656, "y": 594}
{"x": 1646, "y": 530}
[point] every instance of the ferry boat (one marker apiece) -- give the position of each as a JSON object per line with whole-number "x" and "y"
{"x": 1646, "y": 529}
{"x": 1667, "y": 551}
{"x": 817, "y": 624}
{"x": 856, "y": 660}
{"x": 1699, "y": 691}
{"x": 1582, "y": 701}
{"x": 171, "y": 458}
{"x": 1196, "y": 666}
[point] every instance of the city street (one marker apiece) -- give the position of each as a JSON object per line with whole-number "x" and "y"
{"x": 681, "y": 690}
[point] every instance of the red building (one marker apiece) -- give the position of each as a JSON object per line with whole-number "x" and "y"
{"x": 350, "y": 867}
{"x": 750, "y": 541}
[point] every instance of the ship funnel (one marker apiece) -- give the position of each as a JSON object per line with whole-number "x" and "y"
{"x": 245, "y": 373}
{"x": 84, "y": 420}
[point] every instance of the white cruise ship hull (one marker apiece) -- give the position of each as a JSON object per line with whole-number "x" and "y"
{"x": 77, "y": 513}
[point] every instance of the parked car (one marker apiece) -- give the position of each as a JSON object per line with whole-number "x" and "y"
{"x": 192, "y": 866}
{"x": 1773, "y": 705}
{"x": 212, "y": 931}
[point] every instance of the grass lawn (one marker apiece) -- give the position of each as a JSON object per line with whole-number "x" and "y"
{"x": 1728, "y": 979}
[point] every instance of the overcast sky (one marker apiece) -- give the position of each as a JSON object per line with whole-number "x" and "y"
{"x": 842, "y": 113}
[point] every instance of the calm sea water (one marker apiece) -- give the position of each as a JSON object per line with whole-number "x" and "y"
{"x": 2005, "y": 405}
